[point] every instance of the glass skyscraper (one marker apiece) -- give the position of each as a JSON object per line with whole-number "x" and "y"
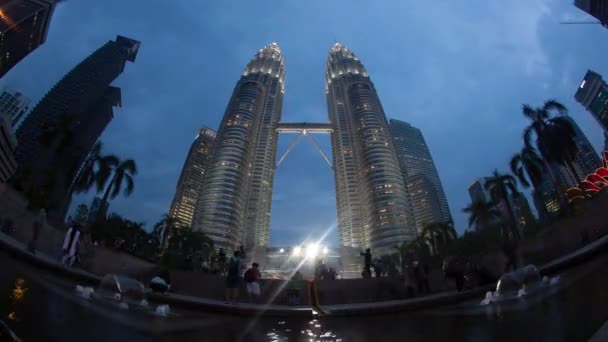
{"x": 191, "y": 178}
{"x": 370, "y": 192}
{"x": 23, "y": 27}
{"x": 235, "y": 204}
{"x": 13, "y": 105}
{"x": 84, "y": 94}
{"x": 593, "y": 95}
{"x": 430, "y": 203}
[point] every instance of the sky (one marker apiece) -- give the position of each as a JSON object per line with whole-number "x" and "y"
{"x": 458, "y": 70}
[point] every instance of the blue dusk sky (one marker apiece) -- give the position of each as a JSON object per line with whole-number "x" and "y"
{"x": 458, "y": 70}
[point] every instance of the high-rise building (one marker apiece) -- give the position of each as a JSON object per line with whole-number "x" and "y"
{"x": 586, "y": 160}
{"x": 191, "y": 179}
{"x": 478, "y": 192}
{"x": 235, "y": 207}
{"x": 415, "y": 159}
{"x": 13, "y": 105}
{"x": 81, "y": 104}
{"x": 24, "y": 25}
{"x": 596, "y": 8}
{"x": 546, "y": 199}
{"x": 8, "y": 143}
{"x": 371, "y": 195}
{"x": 426, "y": 206}
{"x": 593, "y": 95}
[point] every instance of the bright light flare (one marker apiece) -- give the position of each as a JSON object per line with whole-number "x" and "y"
{"x": 297, "y": 250}
{"x": 325, "y": 250}
{"x": 312, "y": 250}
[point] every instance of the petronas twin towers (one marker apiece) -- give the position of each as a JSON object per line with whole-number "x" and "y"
{"x": 235, "y": 202}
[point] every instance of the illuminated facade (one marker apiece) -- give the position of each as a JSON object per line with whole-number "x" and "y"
{"x": 84, "y": 99}
{"x": 594, "y": 183}
{"x": 372, "y": 204}
{"x": 24, "y": 25}
{"x": 234, "y": 207}
{"x": 191, "y": 178}
{"x": 585, "y": 162}
{"x": 427, "y": 198}
{"x": 593, "y": 95}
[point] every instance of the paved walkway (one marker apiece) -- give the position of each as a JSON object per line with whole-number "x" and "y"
{"x": 44, "y": 261}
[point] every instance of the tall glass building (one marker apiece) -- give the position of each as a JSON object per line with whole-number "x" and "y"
{"x": 191, "y": 178}
{"x": 13, "y": 105}
{"x": 235, "y": 204}
{"x": 428, "y": 201}
{"x": 86, "y": 95}
{"x": 371, "y": 196}
{"x": 24, "y": 25}
{"x": 593, "y": 95}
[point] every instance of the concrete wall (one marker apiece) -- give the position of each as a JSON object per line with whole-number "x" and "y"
{"x": 212, "y": 286}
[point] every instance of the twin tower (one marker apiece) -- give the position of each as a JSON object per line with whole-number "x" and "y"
{"x": 234, "y": 207}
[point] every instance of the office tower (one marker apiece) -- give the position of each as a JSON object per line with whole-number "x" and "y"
{"x": 593, "y": 95}
{"x": 596, "y": 8}
{"x": 190, "y": 181}
{"x": 546, "y": 200}
{"x": 370, "y": 192}
{"x": 415, "y": 159}
{"x": 24, "y": 25}
{"x": 478, "y": 192}
{"x": 8, "y": 143}
{"x": 425, "y": 204}
{"x": 70, "y": 117}
{"x": 235, "y": 207}
{"x": 605, "y": 141}
{"x": 586, "y": 160}
{"x": 13, "y": 105}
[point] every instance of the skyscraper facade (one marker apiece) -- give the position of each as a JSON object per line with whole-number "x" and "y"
{"x": 80, "y": 103}
{"x": 237, "y": 191}
{"x": 586, "y": 160}
{"x": 191, "y": 178}
{"x": 596, "y": 8}
{"x": 415, "y": 159}
{"x": 593, "y": 95}
{"x": 371, "y": 196}
{"x": 8, "y": 143}
{"x": 13, "y": 105}
{"x": 24, "y": 25}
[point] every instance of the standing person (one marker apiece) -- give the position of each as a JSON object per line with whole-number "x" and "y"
{"x": 71, "y": 243}
{"x": 221, "y": 261}
{"x": 367, "y": 263}
{"x": 252, "y": 279}
{"x": 39, "y": 223}
{"x": 233, "y": 278}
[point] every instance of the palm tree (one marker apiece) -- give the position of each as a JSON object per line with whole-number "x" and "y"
{"x": 89, "y": 172}
{"x": 481, "y": 214}
{"x": 554, "y": 135}
{"x": 436, "y": 232}
{"x": 528, "y": 165}
{"x": 501, "y": 187}
{"x": 122, "y": 177}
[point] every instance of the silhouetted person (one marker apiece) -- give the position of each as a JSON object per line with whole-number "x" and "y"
{"x": 367, "y": 263}
{"x": 39, "y": 223}
{"x": 378, "y": 269}
{"x": 233, "y": 276}
{"x": 221, "y": 260}
{"x": 422, "y": 278}
{"x": 252, "y": 280}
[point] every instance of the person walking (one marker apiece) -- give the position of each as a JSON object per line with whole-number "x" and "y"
{"x": 252, "y": 279}
{"x": 233, "y": 278}
{"x": 71, "y": 243}
{"x": 39, "y": 223}
{"x": 367, "y": 263}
